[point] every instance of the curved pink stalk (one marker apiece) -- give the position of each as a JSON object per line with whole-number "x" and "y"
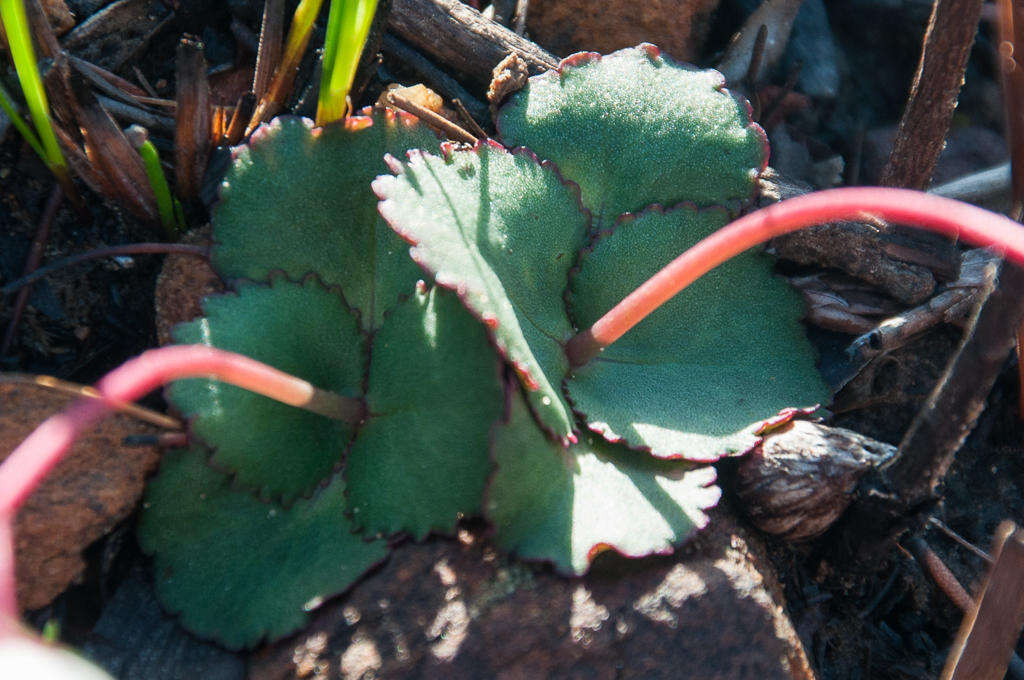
{"x": 901, "y": 206}
{"x": 43, "y": 449}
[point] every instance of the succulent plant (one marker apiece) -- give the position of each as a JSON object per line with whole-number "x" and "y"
{"x": 468, "y": 401}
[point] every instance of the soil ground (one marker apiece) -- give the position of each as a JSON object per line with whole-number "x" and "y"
{"x": 863, "y": 611}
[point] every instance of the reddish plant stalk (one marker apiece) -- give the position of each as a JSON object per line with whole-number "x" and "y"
{"x": 22, "y": 471}
{"x": 902, "y": 206}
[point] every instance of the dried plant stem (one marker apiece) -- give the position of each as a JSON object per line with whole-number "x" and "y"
{"x": 948, "y": 583}
{"x": 240, "y": 118}
{"x": 991, "y": 628}
{"x": 437, "y": 79}
{"x": 457, "y": 36}
{"x": 949, "y": 415}
{"x": 1011, "y": 68}
{"x": 280, "y": 86}
{"x": 921, "y": 135}
{"x": 522, "y": 9}
{"x": 761, "y": 41}
{"x": 940, "y": 573}
{"x": 468, "y": 119}
{"x": 960, "y": 540}
{"x": 933, "y": 95}
{"x": 427, "y": 116}
{"x": 48, "y": 382}
{"x": 953, "y": 407}
{"x": 903, "y": 206}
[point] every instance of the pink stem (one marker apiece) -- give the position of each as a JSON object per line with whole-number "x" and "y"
{"x": 26, "y": 466}
{"x": 902, "y": 206}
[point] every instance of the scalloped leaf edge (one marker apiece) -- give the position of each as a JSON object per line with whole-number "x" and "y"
{"x": 655, "y": 54}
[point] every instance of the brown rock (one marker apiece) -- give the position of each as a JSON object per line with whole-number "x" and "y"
{"x": 566, "y": 26}
{"x": 460, "y": 610}
{"x": 183, "y": 283}
{"x": 96, "y": 486}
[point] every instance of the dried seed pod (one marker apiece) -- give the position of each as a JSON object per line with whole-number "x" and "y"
{"x": 801, "y": 477}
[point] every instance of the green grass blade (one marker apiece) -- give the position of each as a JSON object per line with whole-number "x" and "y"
{"x": 7, "y": 104}
{"x": 300, "y": 30}
{"x": 19, "y": 40}
{"x": 167, "y": 206}
{"x": 348, "y": 26}
{"x": 335, "y": 18}
{"x": 157, "y": 180}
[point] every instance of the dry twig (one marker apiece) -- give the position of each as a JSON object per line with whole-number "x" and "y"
{"x": 427, "y": 116}
{"x": 922, "y": 130}
{"x": 991, "y": 628}
{"x": 459, "y": 37}
{"x": 933, "y": 95}
{"x": 435, "y": 78}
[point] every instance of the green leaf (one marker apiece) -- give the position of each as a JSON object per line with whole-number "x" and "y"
{"x": 239, "y": 570}
{"x": 301, "y": 328}
{"x": 693, "y": 378}
{"x": 635, "y": 128}
{"x": 299, "y": 200}
{"x": 421, "y": 460}
{"x": 567, "y": 505}
{"x": 501, "y": 229}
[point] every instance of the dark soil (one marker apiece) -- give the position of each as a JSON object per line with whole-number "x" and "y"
{"x": 863, "y": 611}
